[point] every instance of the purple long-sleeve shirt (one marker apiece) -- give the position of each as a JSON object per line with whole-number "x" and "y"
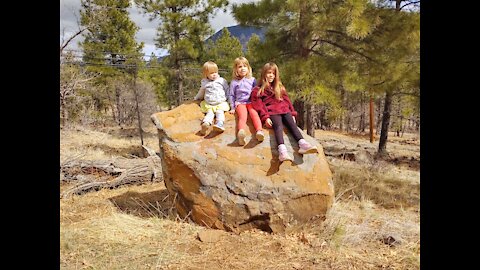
{"x": 240, "y": 91}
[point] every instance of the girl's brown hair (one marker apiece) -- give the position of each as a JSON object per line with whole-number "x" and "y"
{"x": 236, "y": 62}
{"x": 277, "y": 85}
{"x": 208, "y": 68}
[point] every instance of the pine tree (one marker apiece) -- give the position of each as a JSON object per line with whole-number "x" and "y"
{"x": 157, "y": 75}
{"x": 110, "y": 48}
{"x": 254, "y": 57}
{"x": 110, "y": 39}
{"x": 224, "y": 50}
{"x": 110, "y": 45}
{"x": 182, "y": 30}
{"x": 396, "y": 45}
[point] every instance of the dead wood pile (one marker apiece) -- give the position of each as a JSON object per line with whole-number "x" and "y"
{"x": 98, "y": 174}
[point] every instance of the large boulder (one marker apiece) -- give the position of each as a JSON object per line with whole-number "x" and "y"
{"x": 220, "y": 184}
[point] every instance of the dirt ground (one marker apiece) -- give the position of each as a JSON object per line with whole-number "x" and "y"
{"x": 373, "y": 224}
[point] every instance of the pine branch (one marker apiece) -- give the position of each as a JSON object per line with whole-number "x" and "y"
{"x": 317, "y": 53}
{"x": 347, "y": 49}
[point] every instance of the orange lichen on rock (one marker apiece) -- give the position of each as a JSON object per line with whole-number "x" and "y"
{"x": 220, "y": 184}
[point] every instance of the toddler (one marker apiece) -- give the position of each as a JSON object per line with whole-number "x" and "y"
{"x": 213, "y": 93}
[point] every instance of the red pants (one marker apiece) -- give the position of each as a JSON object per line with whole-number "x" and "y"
{"x": 242, "y": 116}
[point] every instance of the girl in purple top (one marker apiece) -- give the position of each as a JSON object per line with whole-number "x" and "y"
{"x": 239, "y": 97}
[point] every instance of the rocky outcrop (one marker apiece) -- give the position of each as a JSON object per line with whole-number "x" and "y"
{"x": 220, "y": 184}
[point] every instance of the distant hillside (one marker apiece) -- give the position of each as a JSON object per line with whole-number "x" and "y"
{"x": 243, "y": 33}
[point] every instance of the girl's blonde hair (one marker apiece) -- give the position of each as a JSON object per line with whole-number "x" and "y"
{"x": 277, "y": 85}
{"x": 236, "y": 62}
{"x": 208, "y": 68}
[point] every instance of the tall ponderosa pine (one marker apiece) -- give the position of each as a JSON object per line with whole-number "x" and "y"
{"x": 183, "y": 27}
{"x": 395, "y": 43}
{"x": 110, "y": 39}
{"x": 110, "y": 47}
{"x": 381, "y": 46}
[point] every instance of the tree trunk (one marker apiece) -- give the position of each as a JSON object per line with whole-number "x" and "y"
{"x": 64, "y": 111}
{"x": 404, "y": 126}
{"x": 342, "y": 102}
{"x": 303, "y": 52}
{"x": 320, "y": 120}
{"x": 180, "y": 86}
{"x": 310, "y": 120}
{"x": 137, "y": 107}
{"x": 348, "y": 119}
{"x": 299, "y": 107}
{"x": 382, "y": 144}
{"x": 397, "y": 4}
{"x": 379, "y": 116}
{"x": 361, "y": 124}
{"x": 371, "y": 119}
{"x": 399, "y": 117}
{"x": 114, "y": 116}
{"x": 117, "y": 102}
{"x": 171, "y": 96}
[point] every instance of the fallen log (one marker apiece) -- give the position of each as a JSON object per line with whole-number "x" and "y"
{"x": 99, "y": 174}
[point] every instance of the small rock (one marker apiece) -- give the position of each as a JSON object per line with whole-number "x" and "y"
{"x": 391, "y": 240}
{"x": 210, "y": 236}
{"x": 297, "y": 266}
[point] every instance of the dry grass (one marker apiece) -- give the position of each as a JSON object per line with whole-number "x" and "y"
{"x": 94, "y": 145}
{"x": 380, "y": 183}
{"x": 134, "y": 227}
{"x": 103, "y": 237}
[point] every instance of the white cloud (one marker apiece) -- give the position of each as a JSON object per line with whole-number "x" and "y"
{"x": 69, "y": 14}
{"x": 225, "y": 19}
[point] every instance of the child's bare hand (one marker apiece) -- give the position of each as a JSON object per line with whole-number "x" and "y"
{"x": 268, "y": 123}
{"x": 232, "y": 111}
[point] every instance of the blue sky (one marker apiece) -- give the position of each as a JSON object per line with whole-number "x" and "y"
{"x": 69, "y": 14}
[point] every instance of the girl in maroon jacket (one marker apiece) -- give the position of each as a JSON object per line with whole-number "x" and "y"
{"x": 275, "y": 109}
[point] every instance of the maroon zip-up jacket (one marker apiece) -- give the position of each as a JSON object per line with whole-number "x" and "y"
{"x": 266, "y": 104}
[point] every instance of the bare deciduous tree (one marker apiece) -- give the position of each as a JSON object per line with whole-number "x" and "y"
{"x": 72, "y": 79}
{"x": 65, "y": 41}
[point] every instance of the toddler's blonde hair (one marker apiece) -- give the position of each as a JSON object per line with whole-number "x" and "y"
{"x": 236, "y": 62}
{"x": 208, "y": 68}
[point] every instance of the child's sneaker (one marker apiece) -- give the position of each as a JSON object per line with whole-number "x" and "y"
{"x": 306, "y": 147}
{"x": 219, "y": 126}
{"x": 241, "y": 137}
{"x": 283, "y": 153}
{"x": 259, "y": 135}
{"x": 205, "y": 126}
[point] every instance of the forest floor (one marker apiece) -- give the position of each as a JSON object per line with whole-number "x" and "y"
{"x": 374, "y": 222}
